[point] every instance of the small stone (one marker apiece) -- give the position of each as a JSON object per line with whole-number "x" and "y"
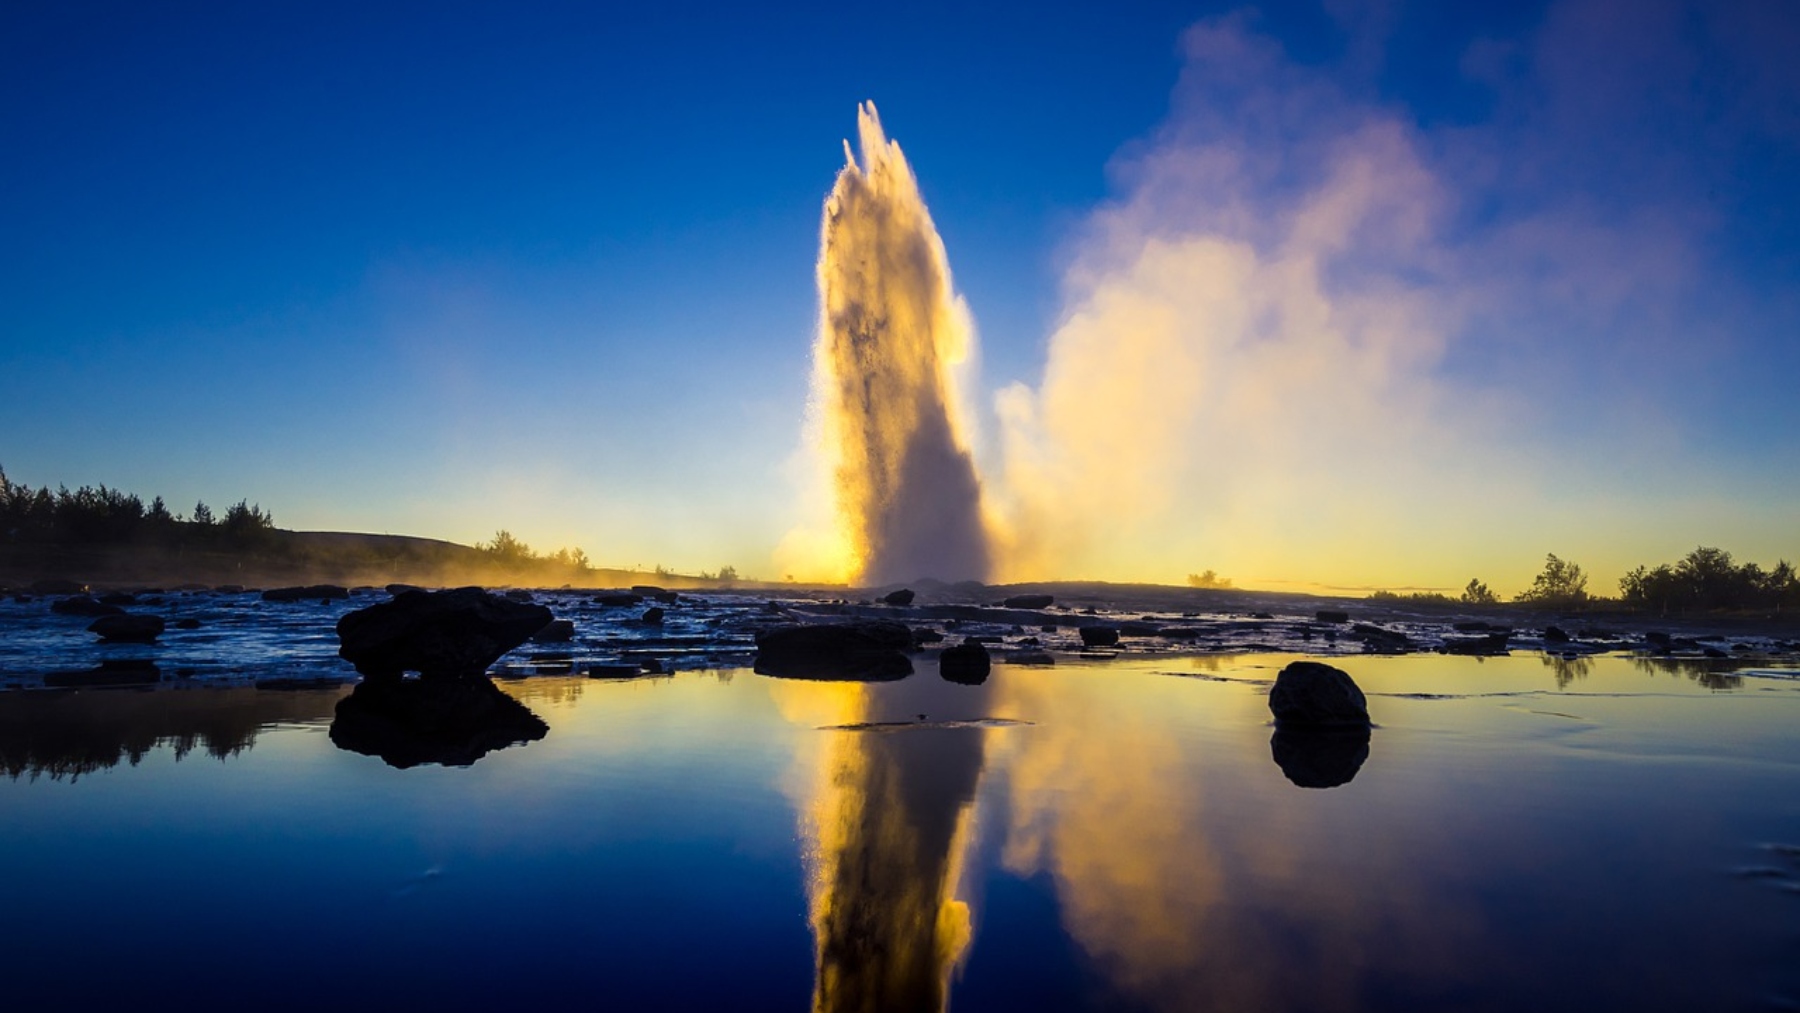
{"x": 965, "y": 664}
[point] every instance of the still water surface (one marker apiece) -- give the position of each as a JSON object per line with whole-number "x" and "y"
{"x": 1525, "y": 833}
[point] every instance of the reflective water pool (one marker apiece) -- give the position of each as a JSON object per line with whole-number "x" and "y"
{"x": 1518, "y": 833}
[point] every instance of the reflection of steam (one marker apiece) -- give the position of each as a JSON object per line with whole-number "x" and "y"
{"x": 1182, "y": 903}
{"x": 890, "y": 329}
{"x": 887, "y": 817}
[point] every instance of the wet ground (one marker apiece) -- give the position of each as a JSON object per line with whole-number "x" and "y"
{"x": 238, "y": 637}
{"x": 1604, "y": 823}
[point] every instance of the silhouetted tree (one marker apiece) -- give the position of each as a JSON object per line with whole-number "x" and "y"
{"x": 1560, "y": 585}
{"x": 1477, "y": 593}
{"x": 203, "y": 514}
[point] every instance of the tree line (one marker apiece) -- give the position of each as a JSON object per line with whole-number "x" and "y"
{"x": 97, "y": 515}
{"x": 1705, "y": 579}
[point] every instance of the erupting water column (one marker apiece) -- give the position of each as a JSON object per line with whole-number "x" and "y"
{"x": 890, "y": 328}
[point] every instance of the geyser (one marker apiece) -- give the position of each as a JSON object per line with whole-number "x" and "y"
{"x": 907, "y": 499}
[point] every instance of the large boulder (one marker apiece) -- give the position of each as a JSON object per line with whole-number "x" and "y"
{"x": 863, "y": 650}
{"x": 902, "y": 597}
{"x": 1029, "y": 601}
{"x": 439, "y": 634}
{"x": 128, "y": 629}
{"x": 1311, "y": 694}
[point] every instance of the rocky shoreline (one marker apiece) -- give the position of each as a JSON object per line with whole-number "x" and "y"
{"x": 56, "y": 633}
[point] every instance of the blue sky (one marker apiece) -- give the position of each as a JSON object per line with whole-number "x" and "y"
{"x": 440, "y": 269}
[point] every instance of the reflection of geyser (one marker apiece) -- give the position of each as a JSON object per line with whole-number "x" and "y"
{"x": 891, "y": 820}
{"x": 890, "y": 328}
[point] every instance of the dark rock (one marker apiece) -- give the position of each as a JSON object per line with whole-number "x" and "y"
{"x": 408, "y": 722}
{"x": 559, "y": 631}
{"x": 1381, "y": 640}
{"x": 1475, "y": 626}
{"x": 1658, "y": 638}
{"x": 1261, "y": 615}
{"x": 965, "y": 664}
{"x": 82, "y": 605}
{"x": 1492, "y": 644}
{"x": 189, "y": 623}
{"x": 1099, "y": 636}
{"x": 400, "y": 589}
{"x": 651, "y": 666}
{"x": 858, "y": 650}
{"x": 517, "y": 594}
{"x": 1029, "y": 601}
{"x": 605, "y": 670}
{"x": 128, "y": 629}
{"x": 53, "y": 586}
{"x": 230, "y": 589}
{"x": 112, "y": 672}
{"x": 648, "y": 590}
{"x": 653, "y": 616}
{"x": 321, "y": 592}
{"x": 925, "y": 635}
{"x": 1555, "y": 635}
{"x": 22, "y": 599}
{"x": 1331, "y": 616}
{"x": 1320, "y": 757}
{"x": 119, "y": 598}
{"x": 1048, "y": 628}
{"x": 618, "y": 599}
{"x": 1139, "y": 629}
{"x": 439, "y": 634}
{"x": 1311, "y": 693}
{"x": 902, "y": 597}
{"x": 1714, "y": 652}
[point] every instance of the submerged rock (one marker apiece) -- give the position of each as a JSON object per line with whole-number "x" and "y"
{"x": 902, "y": 597}
{"x": 1331, "y": 616}
{"x": 111, "y": 672}
{"x": 559, "y": 631}
{"x": 1029, "y": 601}
{"x": 128, "y": 629}
{"x": 652, "y": 616}
{"x": 1099, "y": 636}
{"x": 859, "y": 650}
{"x": 82, "y": 605}
{"x": 1492, "y": 644}
{"x": 439, "y": 634}
{"x": 311, "y": 592}
{"x": 408, "y": 722}
{"x": 618, "y": 599}
{"x": 1320, "y": 757}
{"x": 1555, "y": 635}
{"x": 965, "y": 664}
{"x": 1311, "y": 693}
